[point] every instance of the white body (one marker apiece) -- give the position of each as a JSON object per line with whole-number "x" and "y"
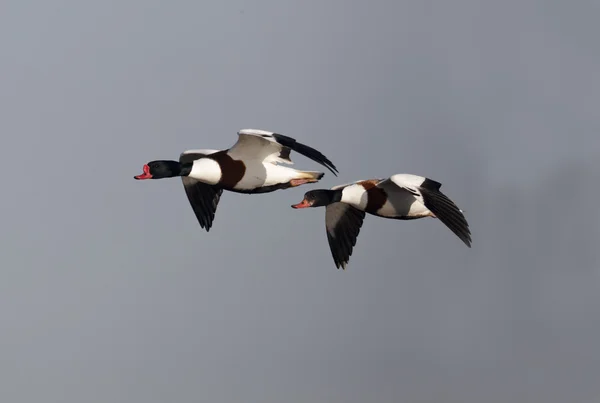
{"x": 261, "y": 174}
{"x": 356, "y": 196}
{"x": 258, "y": 173}
{"x": 206, "y": 170}
{"x": 401, "y": 196}
{"x": 401, "y": 201}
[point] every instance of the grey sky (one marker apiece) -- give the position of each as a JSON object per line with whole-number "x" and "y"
{"x": 111, "y": 292}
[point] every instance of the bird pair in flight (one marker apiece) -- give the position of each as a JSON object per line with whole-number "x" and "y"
{"x": 254, "y": 165}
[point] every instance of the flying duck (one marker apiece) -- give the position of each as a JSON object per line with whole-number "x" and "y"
{"x": 400, "y": 197}
{"x": 250, "y": 166}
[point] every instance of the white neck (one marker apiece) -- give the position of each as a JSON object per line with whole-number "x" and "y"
{"x": 356, "y": 196}
{"x": 206, "y": 170}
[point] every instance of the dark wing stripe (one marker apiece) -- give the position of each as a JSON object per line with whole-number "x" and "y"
{"x": 458, "y": 226}
{"x": 285, "y": 153}
{"x": 305, "y": 150}
{"x": 431, "y": 184}
{"x": 203, "y": 198}
{"x": 343, "y": 223}
{"x": 448, "y": 213}
{"x": 454, "y": 224}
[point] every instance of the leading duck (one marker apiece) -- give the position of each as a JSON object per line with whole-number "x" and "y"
{"x": 250, "y": 166}
{"x": 400, "y": 197}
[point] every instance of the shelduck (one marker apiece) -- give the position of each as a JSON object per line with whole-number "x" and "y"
{"x": 251, "y": 166}
{"x": 400, "y": 197}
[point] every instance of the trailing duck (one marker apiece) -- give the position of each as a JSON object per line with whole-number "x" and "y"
{"x": 400, "y": 197}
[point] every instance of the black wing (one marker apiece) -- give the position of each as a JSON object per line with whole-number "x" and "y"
{"x": 445, "y": 210}
{"x": 305, "y": 150}
{"x": 343, "y": 223}
{"x": 203, "y": 198}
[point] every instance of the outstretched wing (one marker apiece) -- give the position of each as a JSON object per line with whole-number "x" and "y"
{"x": 343, "y": 223}
{"x": 446, "y": 211}
{"x": 202, "y": 197}
{"x": 427, "y": 191}
{"x": 273, "y": 147}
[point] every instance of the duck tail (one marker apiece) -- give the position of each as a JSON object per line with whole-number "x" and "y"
{"x": 310, "y": 175}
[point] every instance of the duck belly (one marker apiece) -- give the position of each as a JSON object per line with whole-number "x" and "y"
{"x": 403, "y": 204}
{"x": 270, "y": 177}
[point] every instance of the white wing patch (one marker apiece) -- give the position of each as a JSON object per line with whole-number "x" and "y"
{"x": 254, "y": 144}
{"x": 272, "y": 147}
{"x": 345, "y": 185}
{"x": 407, "y": 180}
{"x": 274, "y": 159}
{"x": 256, "y": 132}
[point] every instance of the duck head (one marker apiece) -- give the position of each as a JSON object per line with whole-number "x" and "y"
{"x": 163, "y": 169}
{"x": 319, "y": 198}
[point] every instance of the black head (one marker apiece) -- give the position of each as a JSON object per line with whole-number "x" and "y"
{"x": 319, "y": 198}
{"x": 160, "y": 169}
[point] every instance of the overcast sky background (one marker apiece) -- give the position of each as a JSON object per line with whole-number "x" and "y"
{"x": 111, "y": 292}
